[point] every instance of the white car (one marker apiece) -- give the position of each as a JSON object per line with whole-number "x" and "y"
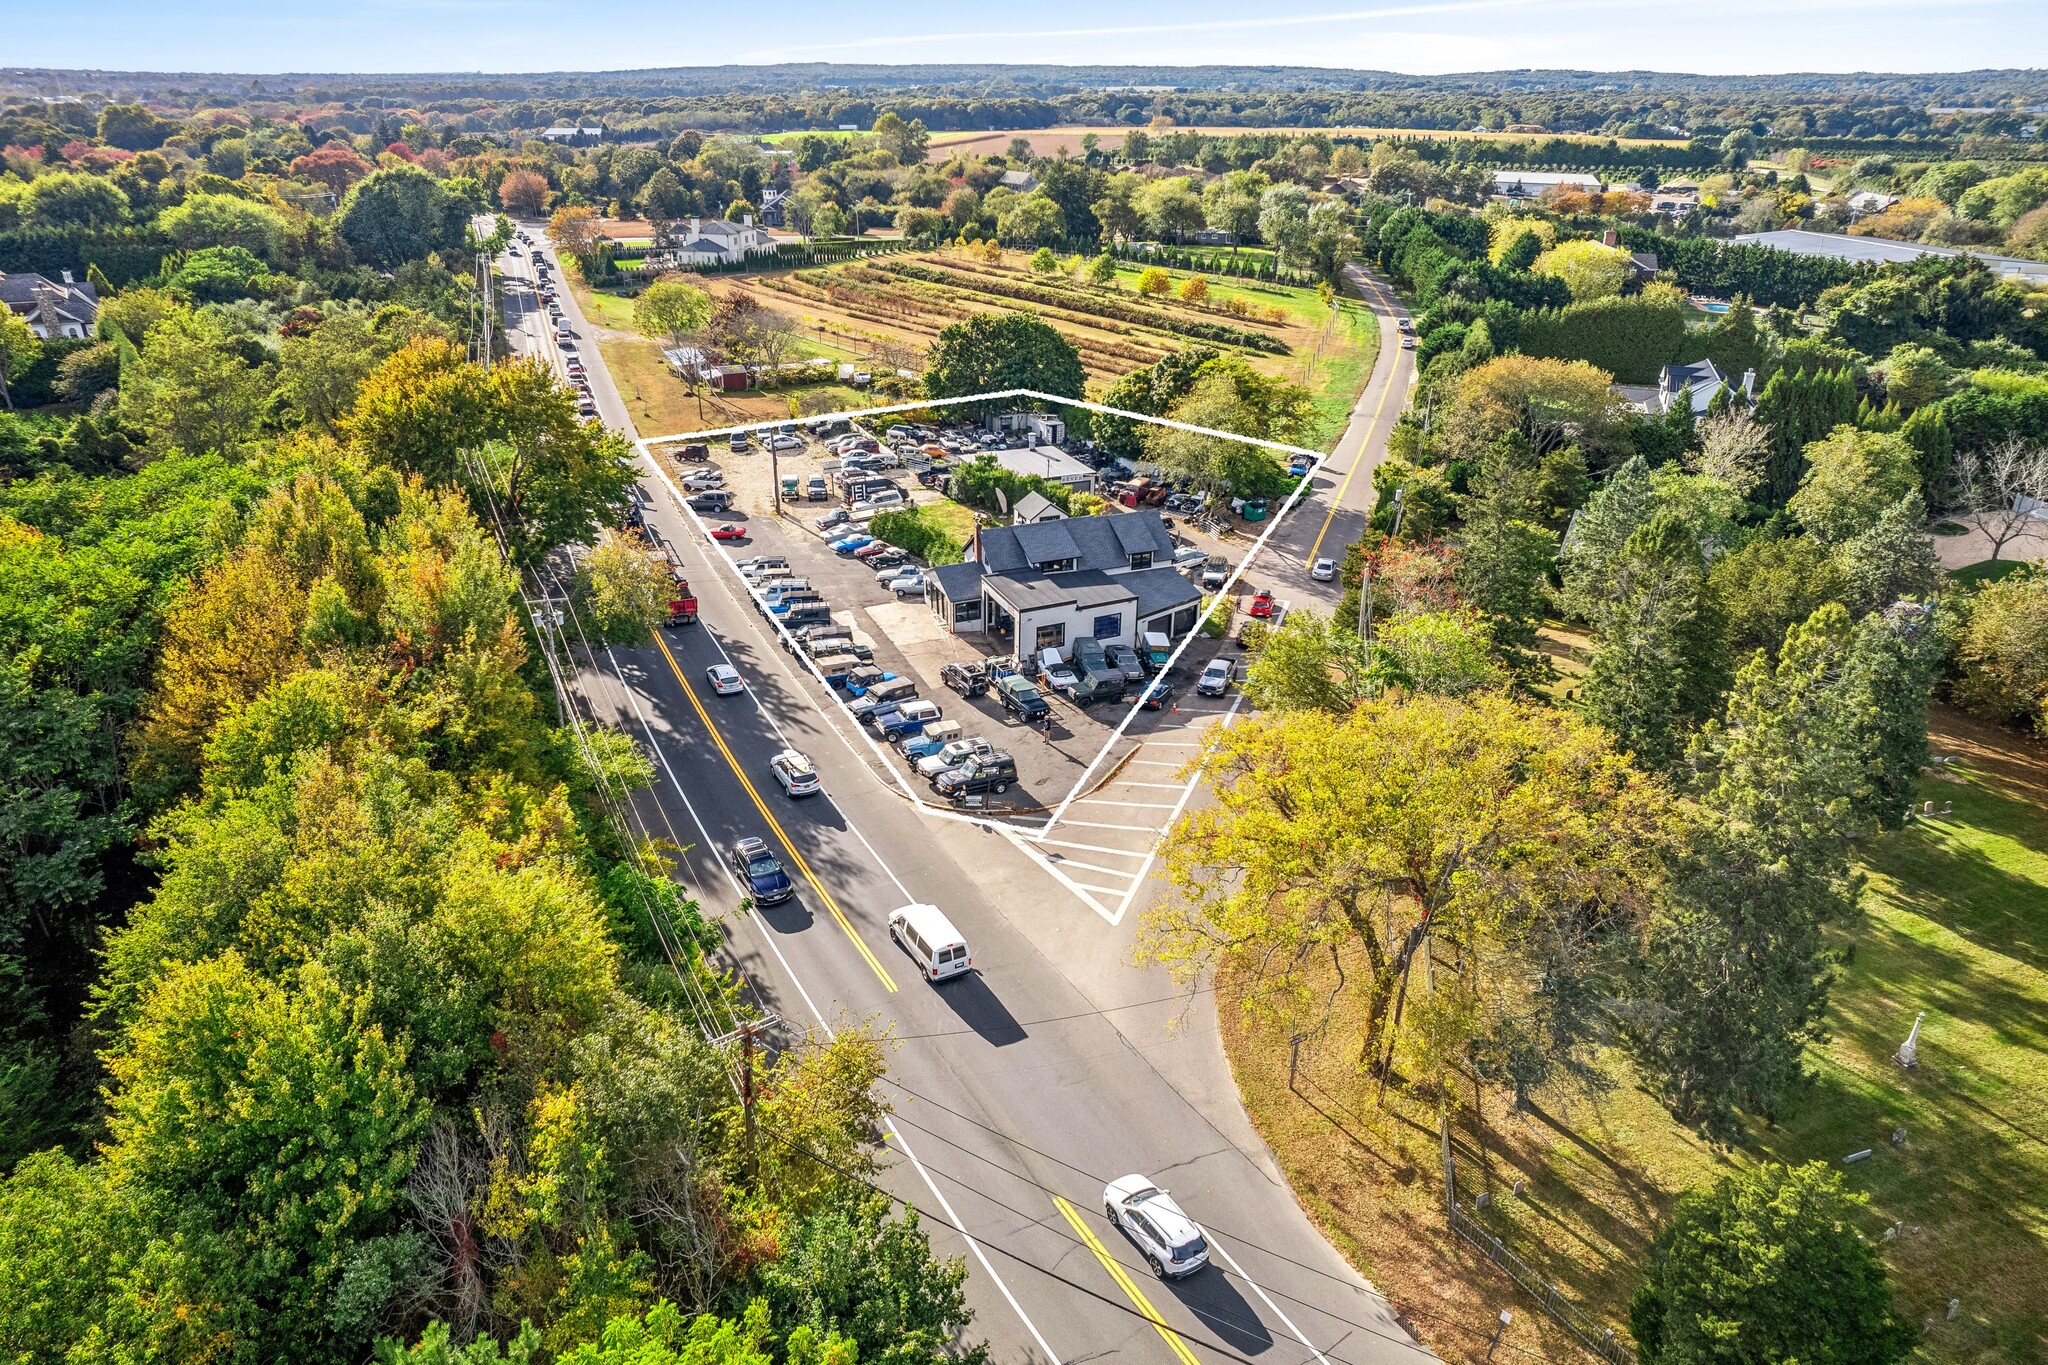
{"x": 1215, "y": 679}
{"x": 1172, "y": 1242}
{"x": 887, "y": 576}
{"x": 1324, "y": 570}
{"x": 697, "y": 480}
{"x": 952, "y": 756}
{"x": 725, "y": 679}
{"x": 795, "y": 773}
{"x": 784, "y": 443}
{"x": 910, "y": 585}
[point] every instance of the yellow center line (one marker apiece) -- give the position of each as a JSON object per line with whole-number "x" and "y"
{"x": 1337, "y": 499}
{"x": 788, "y": 844}
{"x": 1123, "y": 1281}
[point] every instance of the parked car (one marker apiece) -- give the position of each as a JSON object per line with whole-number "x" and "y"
{"x": 716, "y": 500}
{"x": 990, "y": 772}
{"x": 1157, "y": 695}
{"x": 952, "y": 756}
{"x": 1215, "y": 679}
{"x": 1261, "y": 607}
{"x": 861, "y": 679}
{"x": 814, "y": 490}
{"x": 783, "y": 443}
{"x": 889, "y": 559}
{"x": 1021, "y": 699}
{"x": 729, "y": 531}
{"x": 762, "y": 875}
{"x": 909, "y": 718}
{"x": 838, "y": 516}
{"x": 909, "y": 583}
{"x": 1323, "y": 570}
{"x": 1215, "y": 573}
{"x": 847, "y": 544}
{"x": 1126, "y": 661}
{"x": 759, "y": 564}
{"x": 1172, "y": 1243}
{"x": 1055, "y": 673}
{"x": 725, "y": 679}
{"x": 873, "y": 548}
{"x": 737, "y": 441}
{"x": 969, "y": 679}
{"x": 795, "y": 773}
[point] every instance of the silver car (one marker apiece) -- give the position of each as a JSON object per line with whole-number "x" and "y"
{"x": 1171, "y": 1241}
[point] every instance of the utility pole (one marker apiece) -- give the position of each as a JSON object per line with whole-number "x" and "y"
{"x": 747, "y": 1096}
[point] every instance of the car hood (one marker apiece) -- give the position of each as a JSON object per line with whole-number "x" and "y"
{"x": 768, "y": 883}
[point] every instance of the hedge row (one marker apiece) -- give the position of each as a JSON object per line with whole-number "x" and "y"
{"x": 124, "y": 256}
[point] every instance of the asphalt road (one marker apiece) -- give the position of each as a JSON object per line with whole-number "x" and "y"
{"x": 1019, "y": 1090}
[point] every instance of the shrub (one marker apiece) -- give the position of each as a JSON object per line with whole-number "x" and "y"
{"x": 1154, "y": 282}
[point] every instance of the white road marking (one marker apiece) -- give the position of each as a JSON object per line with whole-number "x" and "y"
{"x": 1127, "y": 805}
{"x": 1091, "y": 848}
{"x": 1263, "y": 1298}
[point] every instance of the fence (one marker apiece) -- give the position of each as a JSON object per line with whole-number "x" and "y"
{"x": 1592, "y": 1335}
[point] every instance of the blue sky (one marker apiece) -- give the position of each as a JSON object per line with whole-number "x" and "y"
{"x": 1424, "y": 36}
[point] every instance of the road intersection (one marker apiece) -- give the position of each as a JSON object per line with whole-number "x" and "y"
{"x": 1020, "y": 1089}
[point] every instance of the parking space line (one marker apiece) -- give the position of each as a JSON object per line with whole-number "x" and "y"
{"x": 1154, "y": 762}
{"x": 1155, "y": 786}
{"x": 1096, "y": 824}
{"x": 1105, "y": 890}
{"x": 1123, "y": 1280}
{"x": 1092, "y": 867}
{"x": 1131, "y": 805}
{"x": 1092, "y": 848}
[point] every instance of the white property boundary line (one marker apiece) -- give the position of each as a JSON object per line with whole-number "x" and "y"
{"x": 1316, "y": 460}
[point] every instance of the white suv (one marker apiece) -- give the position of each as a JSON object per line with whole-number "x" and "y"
{"x": 1172, "y": 1243}
{"x": 1215, "y": 679}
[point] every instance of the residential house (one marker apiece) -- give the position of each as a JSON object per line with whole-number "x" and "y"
{"x": 772, "y": 205}
{"x": 1023, "y": 182}
{"x": 53, "y": 310}
{"x": 1045, "y": 584}
{"x": 1700, "y": 382}
{"x": 573, "y": 135}
{"x": 1642, "y": 265}
{"x": 1035, "y": 507}
{"x": 1870, "y": 201}
{"x": 714, "y": 241}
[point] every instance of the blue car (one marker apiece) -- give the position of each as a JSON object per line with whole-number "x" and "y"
{"x": 764, "y": 878}
{"x": 846, "y": 545}
{"x": 859, "y": 680}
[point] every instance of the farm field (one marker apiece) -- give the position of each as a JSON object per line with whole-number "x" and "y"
{"x": 1048, "y": 141}
{"x": 1954, "y": 927}
{"x": 885, "y": 313}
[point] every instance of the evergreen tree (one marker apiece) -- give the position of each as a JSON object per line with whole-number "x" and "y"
{"x": 1894, "y": 559}
{"x": 1801, "y": 406}
{"x": 1505, "y": 553}
{"x": 1597, "y": 535}
{"x": 1659, "y": 667}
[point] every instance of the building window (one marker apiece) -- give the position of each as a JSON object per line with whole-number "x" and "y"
{"x": 1053, "y": 636}
{"x": 1142, "y": 560}
{"x": 1058, "y": 566}
{"x": 965, "y": 613}
{"x": 1110, "y": 626}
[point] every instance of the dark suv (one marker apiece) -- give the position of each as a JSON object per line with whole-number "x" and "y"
{"x": 981, "y": 773}
{"x": 969, "y": 679}
{"x": 1021, "y": 699}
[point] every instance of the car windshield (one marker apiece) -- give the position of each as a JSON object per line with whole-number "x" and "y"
{"x": 761, "y": 865}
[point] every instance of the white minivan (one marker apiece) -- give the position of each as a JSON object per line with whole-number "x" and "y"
{"x": 879, "y": 502}
{"x": 933, "y": 943}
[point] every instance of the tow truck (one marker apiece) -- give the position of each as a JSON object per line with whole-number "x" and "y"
{"x": 682, "y": 603}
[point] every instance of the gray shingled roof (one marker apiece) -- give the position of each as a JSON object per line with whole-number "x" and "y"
{"x": 1160, "y": 590}
{"x": 1100, "y": 542}
{"x": 1081, "y": 588}
{"x": 959, "y": 581}
{"x": 1046, "y": 541}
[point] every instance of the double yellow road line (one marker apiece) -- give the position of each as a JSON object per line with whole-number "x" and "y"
{"x": 796, "y": 856}
{"x": 1124, "y": 1281}
{"x": 1386, "y": 390}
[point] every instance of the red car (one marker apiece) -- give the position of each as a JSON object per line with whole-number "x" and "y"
{"x": 728, "y": 532}
{"x": 869, "y": 551}
{"x": 1262, "y": 604}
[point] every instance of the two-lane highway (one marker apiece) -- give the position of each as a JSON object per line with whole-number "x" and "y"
{"x": 1016, "y": 1095}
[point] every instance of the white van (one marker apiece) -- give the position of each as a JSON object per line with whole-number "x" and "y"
{"x": 931, "y": 940}
{"x": 771, "y": 593}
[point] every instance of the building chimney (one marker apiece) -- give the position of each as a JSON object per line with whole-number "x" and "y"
{"x": 1749, "y": 385}
{"x": 746, "y": 220}
{"x": 696, "y": 227}
{"x": 1610, "y": 238}
{"x": 67, "y": 276}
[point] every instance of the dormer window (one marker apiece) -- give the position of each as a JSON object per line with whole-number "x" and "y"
{"x": 1142, "y": 559}
{"x": 1058, "y": 566}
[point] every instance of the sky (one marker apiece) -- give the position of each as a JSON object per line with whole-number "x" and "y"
{"x": 1419, "y": 36}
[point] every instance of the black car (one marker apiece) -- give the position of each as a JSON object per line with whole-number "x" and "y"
{"x": 1157, "y": 695}
{"x": 716, "y": 500}
{"x": 764, "y": 877}
{"x": 1021, "y": 698}
{"x": 980, "y": 773}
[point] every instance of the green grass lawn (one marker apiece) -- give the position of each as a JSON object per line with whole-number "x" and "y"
{"x": 1988, "y": 571}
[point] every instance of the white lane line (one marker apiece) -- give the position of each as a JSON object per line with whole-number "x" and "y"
{"x": 1299, "y": 1335}
{"x": 1127, "y": 805}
